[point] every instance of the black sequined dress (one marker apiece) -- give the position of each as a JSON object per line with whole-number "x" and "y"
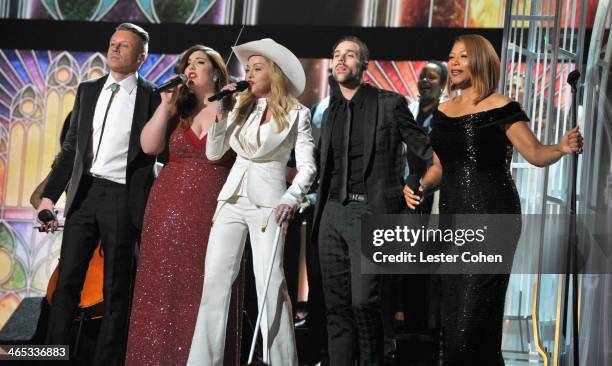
{"x": 475, "y": 155}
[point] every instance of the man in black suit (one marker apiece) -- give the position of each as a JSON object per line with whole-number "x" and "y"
{"x": 361, "y": 172}
{"x": 108, "y": 178}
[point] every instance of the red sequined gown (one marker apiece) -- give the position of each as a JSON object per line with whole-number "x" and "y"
{"x": 170, "y": 270}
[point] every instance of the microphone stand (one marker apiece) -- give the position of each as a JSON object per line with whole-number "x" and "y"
{"x": 572, "y": 80}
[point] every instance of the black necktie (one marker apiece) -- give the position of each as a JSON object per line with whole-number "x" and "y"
{"x": 346, "y": 138}
{"x": 114, "y": 88}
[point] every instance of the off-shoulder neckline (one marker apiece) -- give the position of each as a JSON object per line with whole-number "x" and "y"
{"x": 475, "y": 113}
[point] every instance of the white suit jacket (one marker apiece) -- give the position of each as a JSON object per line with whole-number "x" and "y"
{"x": 265, "y": 169}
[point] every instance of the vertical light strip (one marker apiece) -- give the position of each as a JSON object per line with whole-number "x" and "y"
{"x": 535, "y": 321}
{"x": 510, "y": 51}
{"x": 245, "y": 11}
{"x": 370, "y": 9}
{"x": 534, "y": 69}
{"x": 554, "y": 50}
{"x": 374, "y": 15}
{"x": 519, "y": 59}
{"x": 558, "y": 320}
{"x": 531, "y": 74}
{"x": 389, "y": 14}
{"x": 561, "y": 117}
{"x": 394, "y": 7}
{"x": 26, "y": 9}
{"x": 581, "y": 277}
{"x": 250, "y": 9}
{"x": 543, "y": 39}
{"x": 229, "y": 8}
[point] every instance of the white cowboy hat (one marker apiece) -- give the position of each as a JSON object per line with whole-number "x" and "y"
{"x": 280, "y": 55}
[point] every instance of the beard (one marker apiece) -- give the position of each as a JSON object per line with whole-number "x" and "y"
{"x": 347, "y": 78}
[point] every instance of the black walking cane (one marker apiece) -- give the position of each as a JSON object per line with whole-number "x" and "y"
{"x": 572, "y": 80}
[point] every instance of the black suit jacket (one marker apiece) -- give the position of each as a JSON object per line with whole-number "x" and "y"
{"x": 388, "y": 122}
{"x": 69, "y": 167}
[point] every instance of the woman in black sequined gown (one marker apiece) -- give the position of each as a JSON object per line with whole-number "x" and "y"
{"x": 473, "y": 137}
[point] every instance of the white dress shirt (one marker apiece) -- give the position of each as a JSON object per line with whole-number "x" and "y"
{"x": 111, "y": 160}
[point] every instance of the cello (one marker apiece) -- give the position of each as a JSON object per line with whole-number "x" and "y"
{"x": 91, "y": 303}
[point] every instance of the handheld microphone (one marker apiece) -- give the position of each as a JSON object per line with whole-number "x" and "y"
{"x": 414, "y": 183}
{"x": 179, "y": 80}
{"x": 573, "y": 77}
{"x": 240, "y": 86}
{"x": 572, "y": 80}
{"x": 45, "y": 216}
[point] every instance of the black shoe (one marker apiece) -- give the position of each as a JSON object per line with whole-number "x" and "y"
{"x": 390, "y": 346}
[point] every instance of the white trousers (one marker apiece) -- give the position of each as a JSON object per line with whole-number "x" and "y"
{"x": 225, "y": 247}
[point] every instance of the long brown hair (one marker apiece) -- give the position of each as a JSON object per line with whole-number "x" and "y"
{"x": 187, "y": 101}
{"x": 280, "y": 102}
{"x": 483, "y": 65}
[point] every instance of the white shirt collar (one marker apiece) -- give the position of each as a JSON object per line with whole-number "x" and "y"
{"x": 128, "y": 84}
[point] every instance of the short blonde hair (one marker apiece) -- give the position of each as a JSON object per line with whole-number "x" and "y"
{"x": 141, "y": 33}
{"x": 483, "y": 65}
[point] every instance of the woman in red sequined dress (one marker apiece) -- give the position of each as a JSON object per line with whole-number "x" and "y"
{"x": 178, "y": 218}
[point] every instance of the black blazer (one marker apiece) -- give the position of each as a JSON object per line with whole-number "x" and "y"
{"x": 69, "y": 166}
{"x": 388, "y": 123}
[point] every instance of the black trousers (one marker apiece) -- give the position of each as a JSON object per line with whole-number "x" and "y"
{"x": 101, "y": 211}
{"x": 352, "y": 299}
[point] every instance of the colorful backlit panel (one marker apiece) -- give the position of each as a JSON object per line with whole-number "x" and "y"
{"x": 391, "y": 13}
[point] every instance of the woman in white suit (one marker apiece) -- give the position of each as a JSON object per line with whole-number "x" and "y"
{"x": 266, "y": 124}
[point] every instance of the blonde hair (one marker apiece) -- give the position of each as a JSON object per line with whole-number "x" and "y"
{"x": 280, "y": 101}
{"x": 483, "y": 65}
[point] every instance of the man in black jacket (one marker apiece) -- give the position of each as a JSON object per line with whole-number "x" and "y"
{"x": 361, "y": 172}
{"x": 108, "y": 178}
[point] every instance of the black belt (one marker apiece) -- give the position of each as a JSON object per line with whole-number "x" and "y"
{"x": 357, "y": 197}
{"x": 90, "y": 179}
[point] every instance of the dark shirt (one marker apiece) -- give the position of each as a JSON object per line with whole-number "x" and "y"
{"x": 355, "y": 152}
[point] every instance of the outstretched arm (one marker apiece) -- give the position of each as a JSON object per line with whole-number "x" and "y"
{"x": 535, "y": 152}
